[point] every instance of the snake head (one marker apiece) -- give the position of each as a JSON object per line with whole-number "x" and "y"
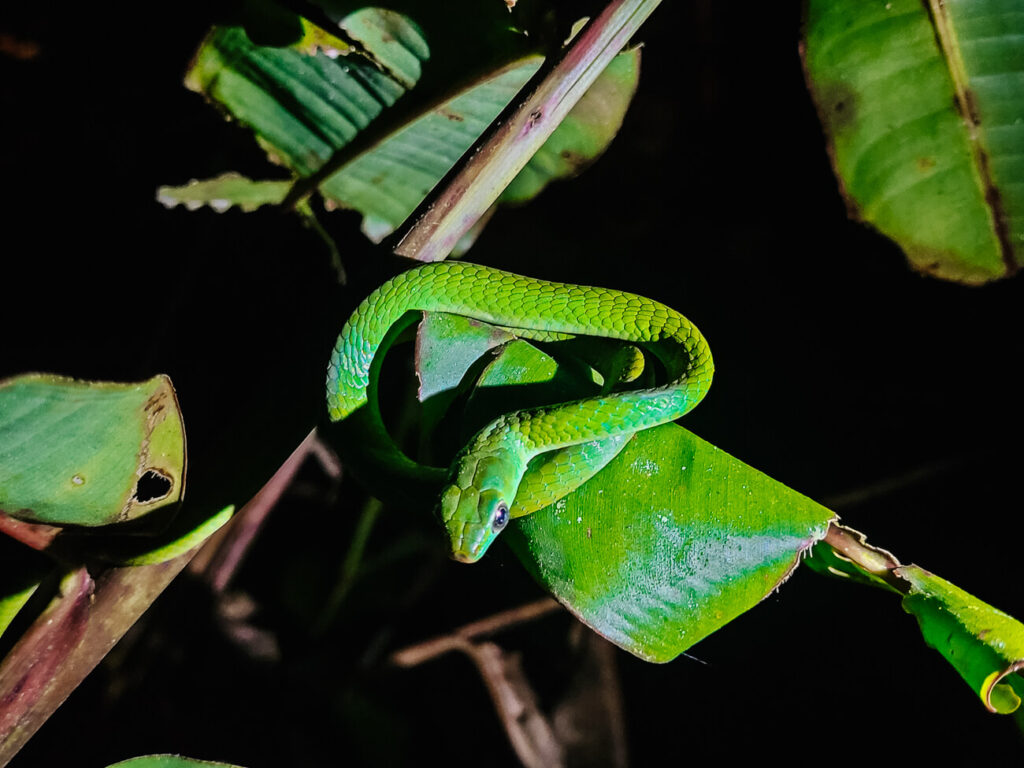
{"x": 474, "y": 506}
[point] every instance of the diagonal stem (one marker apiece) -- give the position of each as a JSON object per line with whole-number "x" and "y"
{"x": 477, "y": 180}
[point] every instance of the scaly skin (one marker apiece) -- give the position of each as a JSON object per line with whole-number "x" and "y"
{"x": 482, "y": 484}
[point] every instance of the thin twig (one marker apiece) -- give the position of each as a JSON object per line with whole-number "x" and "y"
{"x": 456, "y": 641}
{"x": 528, "y": 730}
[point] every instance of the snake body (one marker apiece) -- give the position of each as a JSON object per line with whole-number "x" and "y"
{"x": 480, "y": 487}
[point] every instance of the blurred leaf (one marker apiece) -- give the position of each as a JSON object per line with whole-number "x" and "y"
{"x": 89, "y": 453}
{"x": 922, "y": 106}
{"x": 982, "y": 643}
{"x": 184, "y": 534}
{"x": 22, "y": 570}
{"x": 395, "y": 42}
{"x": 169, "y": 761}
{"x": 669, "y": 542}
{"x": 223, "y": 192}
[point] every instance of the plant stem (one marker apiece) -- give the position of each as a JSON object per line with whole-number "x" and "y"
{"x": 878, "y": 562}
{"x": 475, "y": 182}
{"x": 438, "y": 646}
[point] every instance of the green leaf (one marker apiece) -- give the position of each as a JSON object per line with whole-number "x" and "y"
{"x": 447, "y": 347}
{"x": 22, "y": 570}
{"x": 223, "y": 192}
{"x": 388, "y": 181}
{"x": 186, "y": 533}
{"x": 394, "y": 40}
{"x": 669, "y": 542}
{"x": 306, "y": 108}
{"x": 169, "y": 761}
{"x": 302, "y": 107}
{"x": 922, "y": 108}
{"x": 982, "y": 643}
{"x": 89, "y": 453}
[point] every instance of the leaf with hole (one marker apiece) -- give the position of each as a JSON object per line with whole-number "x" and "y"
{"x": 88, "y": 453}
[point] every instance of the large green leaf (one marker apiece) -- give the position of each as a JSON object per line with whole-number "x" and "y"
{"x": 307, "y": 109}
{"x": 923, "y": 106}
{"x": 669, "y": 542}
{"x": 88, "y": 453}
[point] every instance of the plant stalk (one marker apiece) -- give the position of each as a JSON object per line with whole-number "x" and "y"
{"x": 491, "y": 164}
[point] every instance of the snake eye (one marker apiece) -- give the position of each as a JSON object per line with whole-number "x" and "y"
{"x": 500, "y": 519}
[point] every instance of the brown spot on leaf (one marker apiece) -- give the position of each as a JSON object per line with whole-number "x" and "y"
{"x": 575, "y": 159}
{"x": 837, "y": 104}
{"x": 925, "y": 163}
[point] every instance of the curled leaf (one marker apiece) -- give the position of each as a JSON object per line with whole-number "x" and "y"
{"x": 982, "y": 643}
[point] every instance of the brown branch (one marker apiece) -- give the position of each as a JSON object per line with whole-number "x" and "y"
{"x": 515, "y": 701}
{"x": 457, "y": 640}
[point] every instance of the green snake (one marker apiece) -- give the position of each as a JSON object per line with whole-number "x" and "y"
{"x": 501, "y": 472}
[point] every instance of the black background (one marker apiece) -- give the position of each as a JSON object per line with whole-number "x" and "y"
{"x": 839, "y": 370}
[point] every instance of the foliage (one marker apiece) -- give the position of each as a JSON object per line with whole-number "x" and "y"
{"x": 371, "y": 116}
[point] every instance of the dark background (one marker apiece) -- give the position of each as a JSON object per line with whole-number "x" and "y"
{"x": 890, "y": 396}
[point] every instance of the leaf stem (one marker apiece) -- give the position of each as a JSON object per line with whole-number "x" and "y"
{"x": 417, "y": 654}
{"x": 852, "y": 545}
